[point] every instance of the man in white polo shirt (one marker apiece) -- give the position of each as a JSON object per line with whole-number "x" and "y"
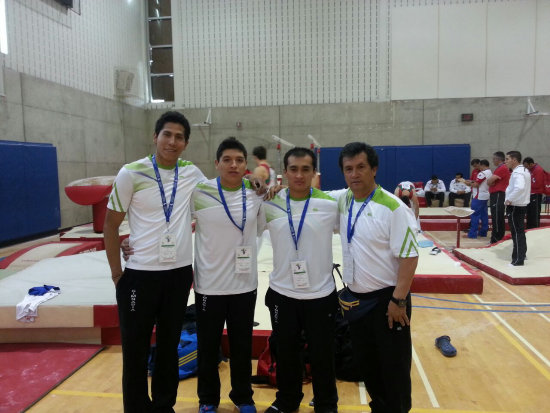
{"x": 302, "y": 295}
{"x": 226, "y": 276}
{"x": 153, "y": 289}
{"x": 380, "y": 257}
{"x": 516, "y": 200}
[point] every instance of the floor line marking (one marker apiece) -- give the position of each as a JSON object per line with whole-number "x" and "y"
{"x": 518, "y": 346}
{"x": 424, "y": 377}
{"x": 513, "y": 294}
{"x": 228, "y": 402}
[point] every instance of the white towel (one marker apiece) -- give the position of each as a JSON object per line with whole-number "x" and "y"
{"x": 27, "y": 310}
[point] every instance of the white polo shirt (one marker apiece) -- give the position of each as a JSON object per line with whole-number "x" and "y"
{"x": 216, "y": 239}
{"x": 384, "y": 232}
{"x": 136, "y": 192}
{"x": 314, "y": 244}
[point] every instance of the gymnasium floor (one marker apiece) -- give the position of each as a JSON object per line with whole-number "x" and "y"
{"x": 502, "y": 363}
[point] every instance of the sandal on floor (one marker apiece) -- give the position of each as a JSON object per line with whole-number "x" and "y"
{"x": 444, "y": 345}
{"x": 435, "y": 251}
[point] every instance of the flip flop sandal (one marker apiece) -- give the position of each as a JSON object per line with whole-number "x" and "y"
{"x": 444, "y": 345}
{"x": 435, "y": 251}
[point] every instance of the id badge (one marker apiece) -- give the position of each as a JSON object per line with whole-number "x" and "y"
{"x": 349, "y": 268}
{"x": 243, "y": 260}
{"x": 300, "y": 277}
{"x": 167, "y": 247}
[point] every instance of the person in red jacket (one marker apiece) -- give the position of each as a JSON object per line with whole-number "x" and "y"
{"x": 537, "y": 192}
{"x": 475, "y": 169}
{"x": 497, "y": 187}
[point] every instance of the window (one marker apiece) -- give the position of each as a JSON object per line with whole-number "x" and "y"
{"x": 161, "y": 62}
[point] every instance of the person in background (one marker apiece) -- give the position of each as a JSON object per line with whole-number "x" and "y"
{"x": 497, "y": 187}
{"x": 516, "y": 200}
{"x": 263, "y": 169}
{"x": 435, "y": 189}
{"x": 480, "y": 197}
{"x": 537, "y": 192}
{"x": 475, "y": 168}
{"x": 459, "y": 190}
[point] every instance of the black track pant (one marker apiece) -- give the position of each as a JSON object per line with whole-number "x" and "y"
{"x": 533, "y": 211}
{"x": 516, "y": 218}
{"x": 496, "y": 203}
{"x": 237, "y": 310}
{"x": 440, "y": 196}
{"x": 146, "y": 298}
{"x": 316, "y": 318}
{"x": 465, "y": 197}
{"x": 384, "y": 357}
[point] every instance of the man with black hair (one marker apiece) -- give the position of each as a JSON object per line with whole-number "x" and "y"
{"x": 480, "y": 197}
{"x": 226, "y": 276}
{"x": 380, "y": 257}
{"x": 516, "y": 200}
{"x": 497, "y": 187}
{"x": 302, "y": 293}
{"x": 537, "y": 192}
{"x": 459, "y": 190}
{"x": 153, "y": 288}
{"x": 434, "y": 189}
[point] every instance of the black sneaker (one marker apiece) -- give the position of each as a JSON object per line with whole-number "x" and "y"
{"x": 273, "y": 409}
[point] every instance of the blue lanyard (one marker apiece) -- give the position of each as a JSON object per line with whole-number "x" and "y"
{"x": 303, "y": 217}
{"x": 167, "y": 210}
{"x": 241, "y": 228}
{"x": 351, "y": 228}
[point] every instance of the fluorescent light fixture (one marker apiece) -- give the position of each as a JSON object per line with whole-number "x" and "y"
{"x": 3, "y": 28}
{"x": 157, "y": 100}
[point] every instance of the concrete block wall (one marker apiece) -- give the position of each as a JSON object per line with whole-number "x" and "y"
{"x": 499, "y": 124}
{"x": 93, "y": 135}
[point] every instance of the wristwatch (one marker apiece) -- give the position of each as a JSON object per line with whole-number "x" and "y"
{"x": 401, "y": 302}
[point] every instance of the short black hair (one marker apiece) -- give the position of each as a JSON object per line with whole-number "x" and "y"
{"x": 528, "y": 160}
{"x": 174, "y": 117}
{"x": 299, "y": 152}
{"x": 515, "y": 155}
{"x": 474, "y": 161}
{"x": 484, "y": 162}
{"x": 499, "y": 155}
{"x": 259, "y": 152}
{"x": 406, "y": 200}
{"x": 459, "y": 174}
{"x": 355, "y": 148}
{"x": 230, "y": 143}
{"x": 434, "y": 177}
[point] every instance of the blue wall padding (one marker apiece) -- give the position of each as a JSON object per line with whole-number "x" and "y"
{"x": 403, "y": 163}
{"x": 29, "y": 190}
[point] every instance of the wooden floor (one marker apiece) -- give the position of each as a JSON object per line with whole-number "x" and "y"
{"x": 502, "y": 363}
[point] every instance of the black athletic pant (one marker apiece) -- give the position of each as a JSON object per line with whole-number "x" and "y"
{"x": 384, "y": 356}
{"x": 146, "y": 298}
{"x": 516, "y": 218}
{"x": 440, "y": 196}
{"x": 316, "y": 318}
{"x": 465, "y": 197}
{"x": 533, "y": 211}
{"x": 496, "y": 203}
{"x": 237, "y": 310}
